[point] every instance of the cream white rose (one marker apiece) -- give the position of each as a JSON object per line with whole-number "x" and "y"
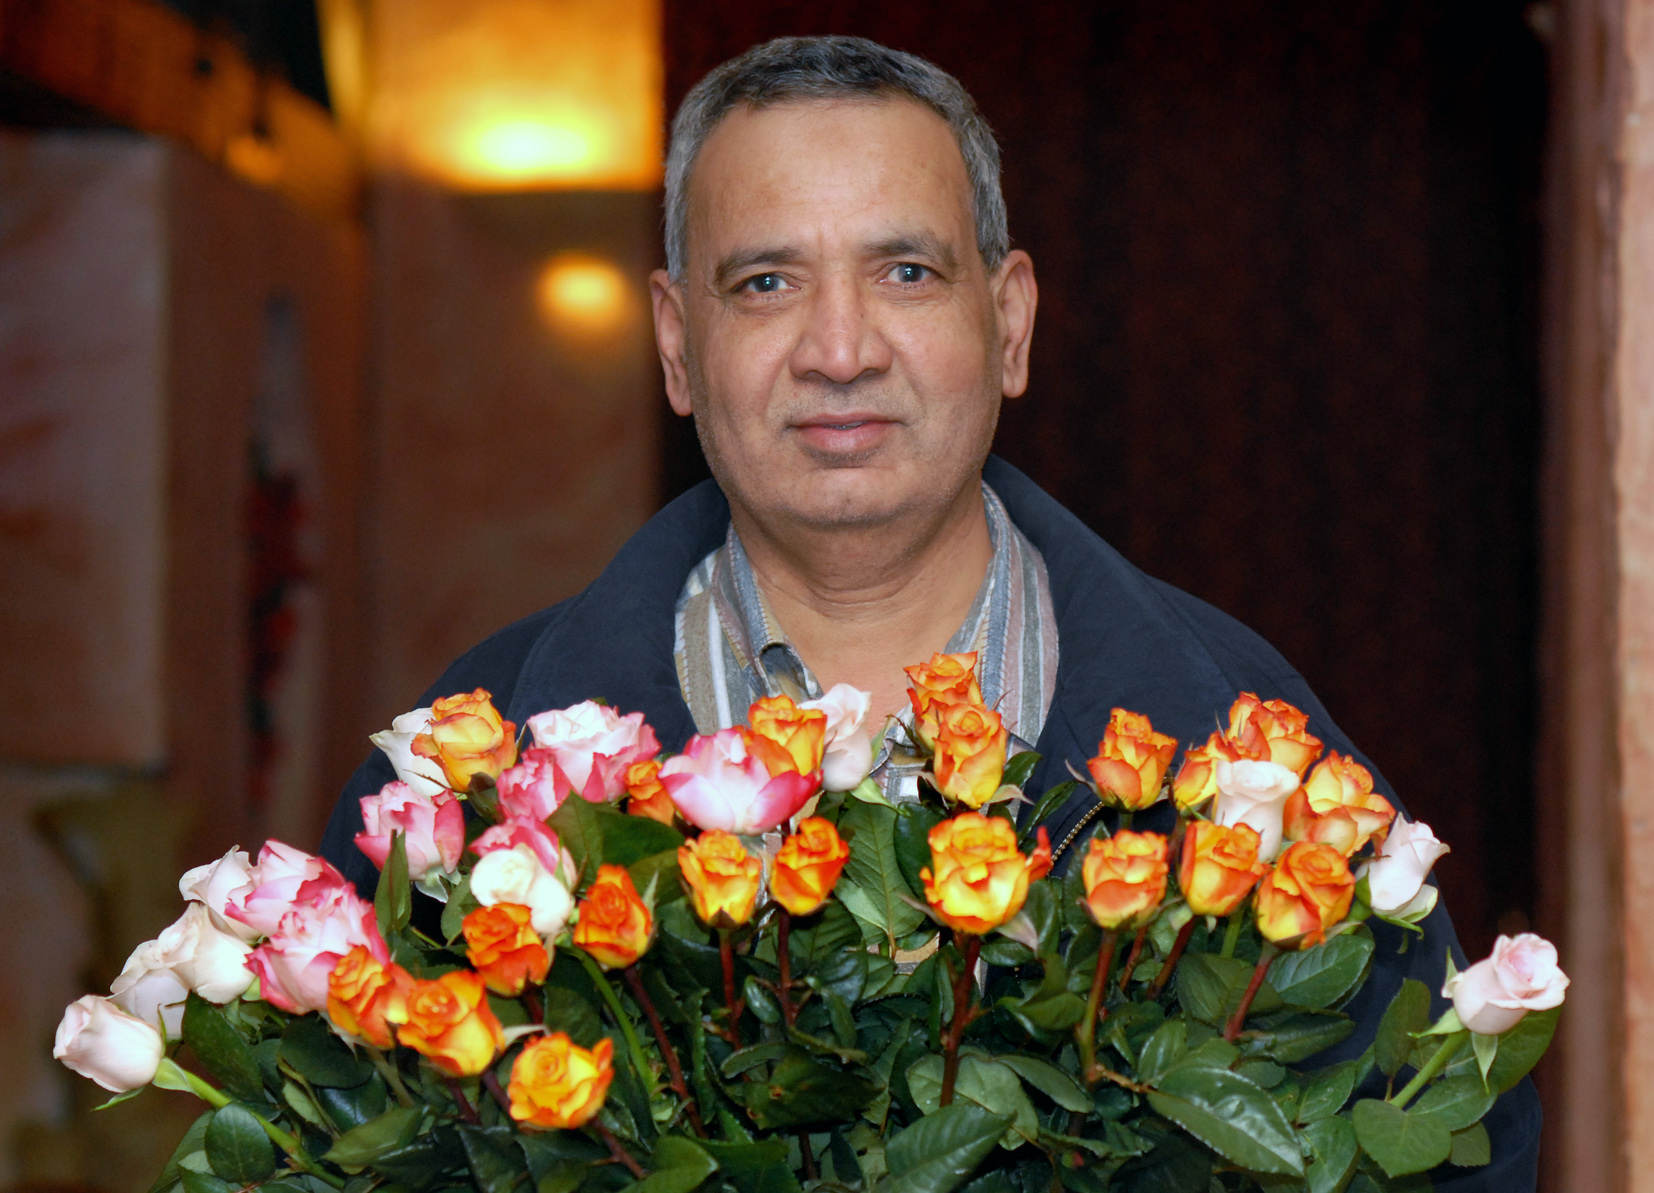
{"x": 424, "y": 775}
{"x": 148, "y": 989}
{"x": 210, "y": 962}
{"x": 1395, "y": 878}
{"x": 213, "y": 884}
{"x": 99, "y": 1040}
{"x": 848, "y": 747}
{"x": 1254, "y": 794}
{"x": 516, "y": 875}
{"x": 1520, "y": 975}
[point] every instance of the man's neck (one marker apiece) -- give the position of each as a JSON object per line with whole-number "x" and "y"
{"x": 861, "y": 603}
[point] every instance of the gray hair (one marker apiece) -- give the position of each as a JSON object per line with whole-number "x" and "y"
{"x": 791, "y": 69}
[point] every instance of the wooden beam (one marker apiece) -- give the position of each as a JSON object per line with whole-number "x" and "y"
{"x": 145, "y": 66}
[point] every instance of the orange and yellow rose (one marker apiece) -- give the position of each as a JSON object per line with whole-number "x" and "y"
{"x": 977, "y": 878}
{"x": 1273, "y": 731}
{"x": 1308, "y": 891}
{"x": 970, "y": 746}
{"x": 615, "y": 926}
{"x": 450, "y": 1024}
{"x": 366, "y": 997}
{"x": 1337, "y": 806}
{"x": 722, "y": 878}
{"x": 807, "y": 866}
{"x": 1197, "y": 778}
{"x": 467, "y": 737}
{"x": 501, "y": 944}
{"x": 787, "y": 739}
{"x": 555, "y": 1083}
{"x": 947, "y": 679}
{"x": 1125, "y": 878}
{"x": 1218, "y": 867}
{"x": 646, "y": 794}
{"x": 1131, "y": 761}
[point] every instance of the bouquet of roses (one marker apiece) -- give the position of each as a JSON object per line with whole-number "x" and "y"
{"x": 743, "y": 968}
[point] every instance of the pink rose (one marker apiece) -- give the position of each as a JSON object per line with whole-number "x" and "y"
{"x": 274, "y": 884}
{"x": 117, "y": 1050}
{"x": 324, "y": 922}
{"x": 214, "y": 883}
{"x": 848, "y": 750}
{"x": 1521, "y": 975}
{"x": 717, "y": 784}
{"x": 535, "y": 787}
{"x": 593, "y": 746}
{"x": 1395, "y": 878}
{"x": 432, "y": 828}
{"x": 521, "y": 830}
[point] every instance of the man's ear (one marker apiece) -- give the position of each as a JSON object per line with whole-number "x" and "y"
{"x": 671, "y": 333}
{"x": 1016, "y": 295}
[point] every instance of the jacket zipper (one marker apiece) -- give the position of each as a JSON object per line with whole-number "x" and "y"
{"x": 1091, "y": 814}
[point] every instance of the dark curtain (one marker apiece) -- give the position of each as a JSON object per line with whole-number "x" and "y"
{"x": 1286, "y": 355}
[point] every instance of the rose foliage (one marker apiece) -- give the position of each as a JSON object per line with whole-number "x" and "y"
{"x": 752, "y": 981}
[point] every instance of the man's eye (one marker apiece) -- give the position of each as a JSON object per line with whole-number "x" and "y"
{"x": 907, "y": 273}
{"x": 765, "y": 283}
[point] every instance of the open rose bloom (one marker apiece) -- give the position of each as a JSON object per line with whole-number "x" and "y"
{"x": 690, "y": 967}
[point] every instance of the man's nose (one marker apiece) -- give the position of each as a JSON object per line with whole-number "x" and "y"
{"x": 841, "y": 339}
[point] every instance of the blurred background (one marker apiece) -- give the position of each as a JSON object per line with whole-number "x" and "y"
{"x": 325, "y": 351}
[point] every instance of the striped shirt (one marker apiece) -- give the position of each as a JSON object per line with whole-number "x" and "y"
{"x": 730, "y": 651}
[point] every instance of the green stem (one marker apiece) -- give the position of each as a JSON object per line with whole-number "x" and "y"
{"x": 1434, "y": 1065}
{"x": 1086, "y": 1034}
{"x": 1231, "y": 936}
{"x": 219, "y": 1099}
{"x": 635, "y": 1045}
{"x": 387, "y": 1069}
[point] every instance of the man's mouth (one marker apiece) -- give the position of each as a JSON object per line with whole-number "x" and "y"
{"x": 838, "y": 434}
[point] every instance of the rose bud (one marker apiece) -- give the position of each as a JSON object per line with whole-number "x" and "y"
{"x": 210, "y": 962}
{"x": 517, "y": 875}
{"x": 467, "y": 737}
{"x": 1273, "y": 730}
{"x": 1308, "y": 891}
{"x": 1395, "y": 878}
{"x": 1125, "y": 878}
{"x": 718, "y": 783}
{"x": 450, "y": 1023}
{"x": 947, "y": 679}
{"x": 615, "y": 926}
{"x": 1519, "y": 976}
{"x": 593, "y": 746}
{"x": 807, "y": 865}
{"x": 534, "y": 788}
{"x": 367, "y": 997}
{"x": 1254, "y": 793}
{"x": 100, "y": 1041}
{"x": 785, "y": 737}
{"x": 1131, "y": 761}
{"x": 504, "y": 949}
{"x": 557, "y": 1084}
{"x": 1197, "y": 778}
{"x": 722, "y": 878}
{"x": 432, "y": 828}
{"x": 1219, "y": 866}
{"x": 422, "y": 774}
{"x": 1337, "y": 806}
{"x": 977, "y": 878}
{"x": 147, "y": 989}
{"x": 970, "y": 754}
{"x": 848, "y": 751}
{"x": 214, "y": 883}
{"x": 646, "y": 794}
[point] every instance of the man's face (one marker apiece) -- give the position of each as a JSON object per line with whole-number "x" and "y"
{"x": 836, "y": 336}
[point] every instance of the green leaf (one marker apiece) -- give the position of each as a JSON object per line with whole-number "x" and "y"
{"x": 1521, "y": 1047}
{"x": 754, "y": 1167}
{"x": 1329, "y": 1089}
{"x": 1051, "y": 1081}
{"x": 1402, "y": 1143}
{"x": 1050, "y": 1006}
{"x": 568, "y": 1012}
{"x": 461, "y": 903}
{"x": 1018, "y": 768}
{"x": 1210, "y": 987}
{"x": 1047, "y": 804}
{"x": 359, "y": 1146}
{"x": 629, "y": 840}
{"x": 913, "y": 843}
{"x": 1162, "y": 1050}
{"x": 1230, "y": 1115}
{"x": 203, "y": 1182}
{"x": 190, "y": 1143}
{"x": 801, "y": 1090}
{"x": 416, "y": 1164}
{"x": 1486, "y": 1051}
{"x": 1456, "y": 1102}
{"x": 393, "y": 898}
{"x": 1290, "y": 1038}
{"x": 1323, "y": 974}
{"x": 660, "y": 870}
{"x": 221, "y": 1050}
{"x": 312, "y": 1051}
{"x": 237, "y": 1147}
{"x": 1333, "y": 1147}
{"x": 1407, "y": 1015}
{"x": 678, "y": 1165}
{"x": 580, "y": 831}
{"x": 350, "y": 1108}
{"x": 1471, "y": 1147}
{"x": 938, "y": 1152}
{"x": 993, "y": 1087}
{"x": 878, "y": 893}
{"x": 829, "y": 932}
{"x": 495, "y": 1161}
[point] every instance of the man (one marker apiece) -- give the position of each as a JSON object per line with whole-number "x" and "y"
{"x": 842, "y": 314}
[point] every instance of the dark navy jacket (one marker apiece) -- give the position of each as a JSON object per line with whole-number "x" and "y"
{"x": 1124, "y": 640}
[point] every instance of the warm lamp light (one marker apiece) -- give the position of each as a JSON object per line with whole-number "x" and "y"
{"x": 583, "y": 294}
{"x": 513, "y": 94}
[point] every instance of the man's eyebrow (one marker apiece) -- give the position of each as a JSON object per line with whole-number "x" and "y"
{"x": 917, "y": 244}
{"x": 744, "y": 259}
